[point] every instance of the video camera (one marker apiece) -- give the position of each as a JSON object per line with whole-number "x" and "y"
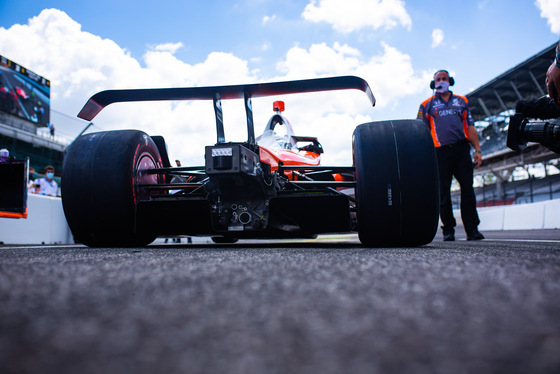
{"x": 535, "y": 121}
{"x": 13, "y": 187}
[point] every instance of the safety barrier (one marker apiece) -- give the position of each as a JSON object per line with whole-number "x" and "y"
{"x": 45, "y": 223}
{"x": 536, "y": 216}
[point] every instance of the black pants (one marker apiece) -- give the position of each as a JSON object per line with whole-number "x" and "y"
{"x": 455, "y": 161}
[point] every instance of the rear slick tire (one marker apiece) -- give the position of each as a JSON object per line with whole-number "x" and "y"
{"x": 397, "y": 183}
{"x": 99, "y": 184}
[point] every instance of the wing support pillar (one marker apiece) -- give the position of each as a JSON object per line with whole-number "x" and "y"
{"x": 250, "y": 123}
{"x": 219, "y": 117}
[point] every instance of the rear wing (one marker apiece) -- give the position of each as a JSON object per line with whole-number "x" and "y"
{"x": 216, "y": 93}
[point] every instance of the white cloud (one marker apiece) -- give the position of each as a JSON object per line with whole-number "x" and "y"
{"x": 550, "y": 9}
{"x": 319, "y": 60}
{"x": 390, "y": 75}
{"x": 80, "y": 64}
{"x": 267, "y": 19}
{"x": 53, "y": 45}
{"x": 437, "y": 37}
{"x": 351, "y": 15}
{"x": 168, "y": 47}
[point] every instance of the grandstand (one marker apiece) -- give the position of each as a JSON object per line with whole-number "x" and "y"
{"x": 491, "y": 105}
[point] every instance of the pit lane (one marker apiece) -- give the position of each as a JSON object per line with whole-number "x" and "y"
{"x": 327, "y": 306}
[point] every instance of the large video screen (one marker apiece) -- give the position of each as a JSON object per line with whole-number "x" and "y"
{"x": 24, "y": 93}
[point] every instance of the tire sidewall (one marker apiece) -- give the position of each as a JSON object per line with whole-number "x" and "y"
{"x": 397, "y": 185}
{"x": 99, "y": 186}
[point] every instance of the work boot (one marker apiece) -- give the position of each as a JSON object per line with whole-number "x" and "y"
{"x": 449, "y": 236}
{"x": 475, "y": 235}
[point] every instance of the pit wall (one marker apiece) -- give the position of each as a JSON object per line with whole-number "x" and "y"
{"x": 536, "y": 216}
{"x": 45, "y": 223}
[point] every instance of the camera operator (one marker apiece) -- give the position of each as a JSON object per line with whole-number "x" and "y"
{"x": 553, "y": 77}
{"x": 538, "y": 120}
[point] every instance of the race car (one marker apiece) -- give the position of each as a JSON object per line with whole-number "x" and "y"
{"x": 119, "y": 188}
{"x": 21, "y": 93}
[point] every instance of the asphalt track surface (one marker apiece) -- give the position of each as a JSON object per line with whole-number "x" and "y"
{"x": 288, "y": 307}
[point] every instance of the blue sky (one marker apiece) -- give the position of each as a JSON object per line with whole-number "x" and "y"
{"x": 85, "y": 47}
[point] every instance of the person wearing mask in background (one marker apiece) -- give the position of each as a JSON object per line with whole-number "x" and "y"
{"x": 47, "y": 185}
{"x": 448, "y": 117}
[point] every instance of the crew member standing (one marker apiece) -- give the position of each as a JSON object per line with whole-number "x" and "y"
{"x": 450, "y": 122}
